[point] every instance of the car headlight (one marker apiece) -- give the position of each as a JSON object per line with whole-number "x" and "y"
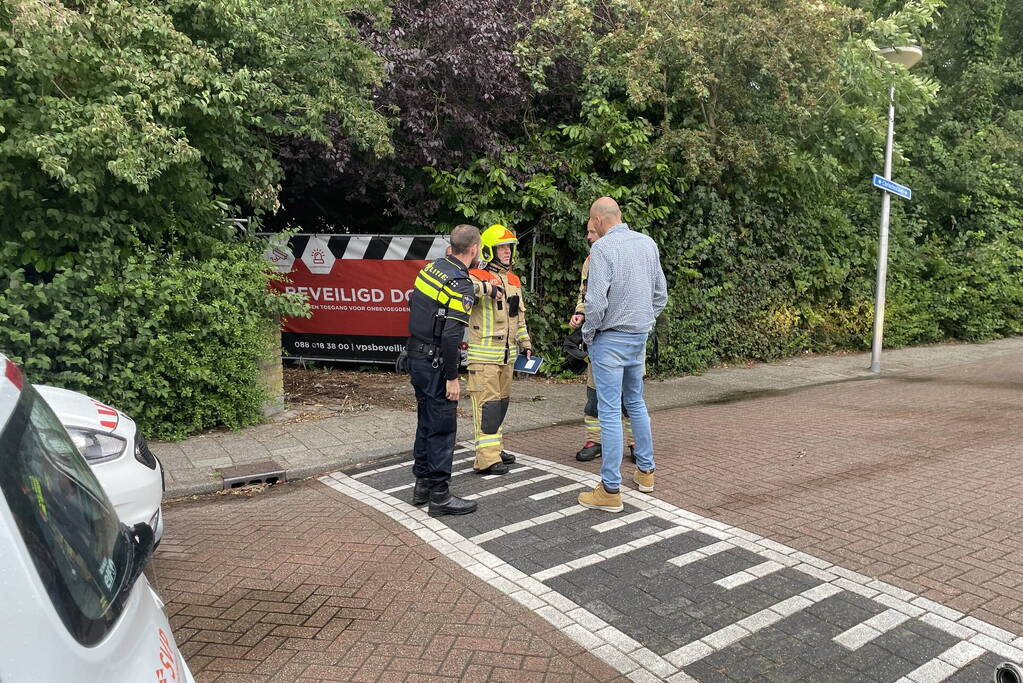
{"x": 97, "y": 446}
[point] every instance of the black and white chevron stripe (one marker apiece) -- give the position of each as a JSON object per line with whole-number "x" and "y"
{"x": 377, "y": 247}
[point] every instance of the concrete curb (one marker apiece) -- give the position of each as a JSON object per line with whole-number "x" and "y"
{"x": 291, "y": 473}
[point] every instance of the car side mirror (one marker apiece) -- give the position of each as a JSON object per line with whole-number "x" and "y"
{"x": 143, "y": 545}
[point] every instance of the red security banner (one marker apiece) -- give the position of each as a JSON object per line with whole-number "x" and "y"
{"x": 357, "y": 288}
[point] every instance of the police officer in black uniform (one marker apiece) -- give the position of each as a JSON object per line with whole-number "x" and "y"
{"x": 440, "y": 306}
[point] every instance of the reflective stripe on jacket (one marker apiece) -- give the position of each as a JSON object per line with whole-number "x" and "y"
{"x": 495, "y": 336}
{"x": 444, "y": 283}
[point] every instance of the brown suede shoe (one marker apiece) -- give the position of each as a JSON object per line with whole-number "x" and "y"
{"x": 600, "y": 499}
{"x": 643, "y": 480}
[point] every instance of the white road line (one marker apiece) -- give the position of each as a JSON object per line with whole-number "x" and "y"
{"x": 595, "y": 558}
{"x": 406, "y": 463}
{"x": 862, "y": 633}
{"x": 961, "y": 654}
{"x": 722, "y": 638}
{"x": 701, "y": 553}
{"x": 555, "y": 492}
{"x": 513, "y": 470}
{"x": 944, "y": 665}
{"x": 621, "y": 521}
{"x": 509, "y": 487}
{"x": 453, "y": 474}
{"x": 527, "y": 524}
{"x": 752, "y": 574}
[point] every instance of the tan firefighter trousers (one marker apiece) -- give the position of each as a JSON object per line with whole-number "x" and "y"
{"x": 489, "y": 388}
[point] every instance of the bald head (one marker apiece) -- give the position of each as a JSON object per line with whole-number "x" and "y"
{"x": 604, "y": 215}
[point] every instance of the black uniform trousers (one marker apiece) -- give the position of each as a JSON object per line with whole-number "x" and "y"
{"x": 436, "y": 426}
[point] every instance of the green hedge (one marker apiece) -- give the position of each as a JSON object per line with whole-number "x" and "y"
{"x": 173, "y": 342}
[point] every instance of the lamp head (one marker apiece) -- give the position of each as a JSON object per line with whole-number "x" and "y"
{"x": 906, "y": 55}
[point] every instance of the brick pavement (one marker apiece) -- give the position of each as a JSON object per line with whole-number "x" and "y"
{"x": 916, "y": 479}
{"x": 302, "y": 583}
{"x": 662, "y": 593}
{"x": 911, "y": 479}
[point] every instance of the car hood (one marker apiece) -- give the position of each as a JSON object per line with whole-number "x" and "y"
{"x": 79, "y": 410}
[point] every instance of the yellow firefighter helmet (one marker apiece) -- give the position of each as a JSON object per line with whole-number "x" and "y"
{"x": 493, "y": 237}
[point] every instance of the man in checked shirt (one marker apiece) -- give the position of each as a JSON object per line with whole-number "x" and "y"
{"x": 625, "y": 293}
{"x": 591, "y": 450}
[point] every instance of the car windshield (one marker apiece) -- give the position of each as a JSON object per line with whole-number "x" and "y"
{"x": 78, "y": 545}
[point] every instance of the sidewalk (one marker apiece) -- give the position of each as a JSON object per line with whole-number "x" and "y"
{"x": 305, "y": 448}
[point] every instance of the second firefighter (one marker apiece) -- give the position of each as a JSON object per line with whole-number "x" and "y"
{"x": 497, "y": 333}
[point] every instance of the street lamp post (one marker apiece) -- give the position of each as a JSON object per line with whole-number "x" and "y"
{"x": 908, "y": 57}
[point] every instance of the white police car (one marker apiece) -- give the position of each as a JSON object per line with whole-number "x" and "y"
{"x": 76, "y": 604}
{"x": 114, "y": 447}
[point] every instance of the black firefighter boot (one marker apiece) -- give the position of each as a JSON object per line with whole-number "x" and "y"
{"x": 589, "y": 451}
{"x": 507, "y": 458}
{"x": 421, "y": 493}
{"x": 443, "y": 503}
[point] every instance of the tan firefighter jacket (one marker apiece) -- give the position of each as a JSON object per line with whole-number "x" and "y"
{"x": 580, "y": 302}
{"x": 497, "y": 328}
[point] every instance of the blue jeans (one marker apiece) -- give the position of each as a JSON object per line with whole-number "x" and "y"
{"x": 617, "y": 360}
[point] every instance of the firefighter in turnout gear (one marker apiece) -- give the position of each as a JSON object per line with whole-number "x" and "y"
{"x": 497, "y": 333}
{"x": 592, "y": 449}
{"x": 438, "y": 313}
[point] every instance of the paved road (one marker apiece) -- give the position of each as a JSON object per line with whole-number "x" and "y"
{"x": 862, "y": 531}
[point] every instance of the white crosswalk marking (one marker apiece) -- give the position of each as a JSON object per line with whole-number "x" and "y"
{"x": 528, "y": 523}
{"x": 495, "y": 476}
{"x": 621, "y": 645}
{"x": 595, "y": 558}
{"x": 555, "y": 492}
{"x": 863, "y": 633}
{"x": 701, "y": 553}
{"x": 944, "y": 665}
{"x": 751, "y": 574}
{"x": 621, "y": 521}
{"x": 403, "y": 487}
{"x": 722, "y": 638}
{"x": 406, "y": 463}
{"x": 509, "y": 487}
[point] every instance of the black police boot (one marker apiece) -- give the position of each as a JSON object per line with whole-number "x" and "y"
{"x": 421, "y": 493}
{"x": 589, "y": 451}
{"x": 443, "y": 503}
{"x": 496, "y": 468}
{"x": 507, "y": 458}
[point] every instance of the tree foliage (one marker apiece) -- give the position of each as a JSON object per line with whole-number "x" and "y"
{"x": 128, "y": 132}
{"x": 741, "y": 135}
{"x": 453, "y": 91}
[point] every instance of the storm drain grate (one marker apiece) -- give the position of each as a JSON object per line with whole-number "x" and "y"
{"x": 265, "y": 472}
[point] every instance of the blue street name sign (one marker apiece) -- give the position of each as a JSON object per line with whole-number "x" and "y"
{"x": 896, "y": 189}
